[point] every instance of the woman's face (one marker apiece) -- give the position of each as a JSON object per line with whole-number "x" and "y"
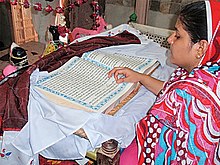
{"x": 182, "y": 50}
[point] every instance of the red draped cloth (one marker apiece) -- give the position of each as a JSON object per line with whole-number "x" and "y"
{"x": 14, "y": 93}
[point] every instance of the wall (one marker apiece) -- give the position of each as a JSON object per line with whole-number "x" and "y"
{"x": 162, "y": 13}
{"x": 118, "y": 11}
{"x": 79, "y": 16}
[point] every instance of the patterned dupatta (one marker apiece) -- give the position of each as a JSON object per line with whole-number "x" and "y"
{"x": 183, "y": 126}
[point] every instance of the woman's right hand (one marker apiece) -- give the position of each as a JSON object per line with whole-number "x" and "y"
{"x": 129, "y": 75}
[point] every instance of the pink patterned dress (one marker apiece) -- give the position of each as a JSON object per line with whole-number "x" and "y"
{"x": 183, "y": 127}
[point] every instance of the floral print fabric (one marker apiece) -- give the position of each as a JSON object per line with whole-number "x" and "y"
{"x": 183, "y": 127}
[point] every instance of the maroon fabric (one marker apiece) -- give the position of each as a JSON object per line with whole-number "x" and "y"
{"x": 45, "y": 161}
{"x": 15, "y": 92}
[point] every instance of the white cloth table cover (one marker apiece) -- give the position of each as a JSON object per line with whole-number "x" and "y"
{"x": 50, "y": 127}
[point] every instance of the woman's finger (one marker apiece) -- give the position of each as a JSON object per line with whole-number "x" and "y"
{"x": 110, "y": 73}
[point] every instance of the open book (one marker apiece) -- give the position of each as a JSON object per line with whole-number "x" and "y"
{"x": 82, "y": 83}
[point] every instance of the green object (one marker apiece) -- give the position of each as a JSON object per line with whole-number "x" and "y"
{"x": 133, "y": 17}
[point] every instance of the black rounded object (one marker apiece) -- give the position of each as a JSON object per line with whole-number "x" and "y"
{"x": 19, "y": 52}
{"x": 19, "y": 57}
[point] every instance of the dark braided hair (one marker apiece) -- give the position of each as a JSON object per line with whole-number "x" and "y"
{"x": 194, "y": 20}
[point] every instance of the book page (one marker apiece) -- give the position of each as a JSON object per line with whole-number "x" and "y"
{"x": 111, "y": 60}
{"x": 85, "y": 84}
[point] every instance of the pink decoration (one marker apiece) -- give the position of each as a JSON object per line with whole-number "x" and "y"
{"x": 81, "y": 31}
{"x": 78, "y": 2}
{"x": 72, "y": 5}
{"x": 94, "y": 15}
{"x": 94, "y": 3}
{"x": 26, "y": 4}
{"x": 13, "y": 2}
{"x": 38, "y": 6}
{"x": 59, "y": 9}
{"x": 62, "y": 30}
{"x": 9, "y": 69}
{"x": 97, "y": 7}
{"x": 48, "y": 8}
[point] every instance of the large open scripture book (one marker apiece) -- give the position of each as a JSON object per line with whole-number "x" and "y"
{"x": 83, "y": 83}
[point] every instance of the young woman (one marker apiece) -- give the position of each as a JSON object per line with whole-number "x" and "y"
{"x": 183, "y": 126}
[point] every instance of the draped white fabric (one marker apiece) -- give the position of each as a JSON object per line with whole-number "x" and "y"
{"x": 50, "y": 127}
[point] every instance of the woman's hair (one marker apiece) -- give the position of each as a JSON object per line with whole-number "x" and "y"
{"x": 194, "y": 20}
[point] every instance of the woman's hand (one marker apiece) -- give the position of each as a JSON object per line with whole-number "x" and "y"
{"x": 128, "y": 75}
{"x": 122, "y": 74}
